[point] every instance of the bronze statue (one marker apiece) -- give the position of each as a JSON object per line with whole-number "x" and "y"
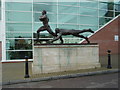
{"x": 59, "y": 32}
{"x": 45, "y": 26}
{"x": 73, "y": 32}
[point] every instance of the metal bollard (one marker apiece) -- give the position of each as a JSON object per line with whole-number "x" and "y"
{"x": 26, "y": 68}
{"x": 109, "y": 59}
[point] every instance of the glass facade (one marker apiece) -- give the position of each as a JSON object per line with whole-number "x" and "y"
{"x": 0, "y": 9}
{"x": 22, "y": 21}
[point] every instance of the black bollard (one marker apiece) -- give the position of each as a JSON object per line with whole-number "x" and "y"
{"x": 109, "y": 59}
{"x": 26, "y": 68}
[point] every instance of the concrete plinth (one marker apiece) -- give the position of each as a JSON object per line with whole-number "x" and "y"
{"x": 57, "y": 58}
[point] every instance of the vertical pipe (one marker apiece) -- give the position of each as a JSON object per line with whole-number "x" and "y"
{"x": 109, "y": 59}
{"x": 26, "y": 68}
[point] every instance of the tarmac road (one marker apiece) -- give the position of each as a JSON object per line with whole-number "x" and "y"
{"x": 96, "y": 81}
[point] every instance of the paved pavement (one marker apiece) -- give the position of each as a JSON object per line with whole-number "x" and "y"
{"x": 14, "y": 72}
{"x": 97, "y": 81}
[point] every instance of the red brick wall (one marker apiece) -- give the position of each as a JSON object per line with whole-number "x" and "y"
{"x": 0, "y": 50}
{"x": 105, "y": 37}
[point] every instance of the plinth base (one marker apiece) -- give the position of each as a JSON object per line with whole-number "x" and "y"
{"x": 57, "y": 58}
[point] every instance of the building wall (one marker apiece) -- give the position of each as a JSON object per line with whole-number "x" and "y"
{"x": 22, "y": 23}
{"x": 105, "y": 37}
{"x": 0, "y": 50}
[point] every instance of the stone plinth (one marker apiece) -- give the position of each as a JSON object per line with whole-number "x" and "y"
{"x": 57, "y": 58}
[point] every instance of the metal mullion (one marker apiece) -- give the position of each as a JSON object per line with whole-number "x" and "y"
{"x": 32, "y": 28}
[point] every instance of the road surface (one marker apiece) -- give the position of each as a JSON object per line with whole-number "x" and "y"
{"x": 96, "y": 81}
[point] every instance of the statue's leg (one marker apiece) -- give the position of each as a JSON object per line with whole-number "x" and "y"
{"x": 43, "y": 28}
{"x": 81, "y": 36}
{"x": 50, "y": 31}
{"x": 61, "y": 40}
{"x": 56, "y": 38}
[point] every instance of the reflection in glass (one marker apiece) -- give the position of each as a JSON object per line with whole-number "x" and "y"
{"x": 19, "y": 27}
{"x": 19, "y": 44}
{"x": 104, "y": 20}
{"x": 106, "y": 13}
{"x": 117, "y": 13}
{"x": 11, "y": 55}
{"x": 106, "y": 5}
{"x": 17, "y": 34}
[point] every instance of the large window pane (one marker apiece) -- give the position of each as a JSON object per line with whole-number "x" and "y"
{"x": 41, "y": 6}
{"x": 89, "y": 3}
{"x": 102, "y": 12}
{"x": 67, "y": 9}
{"x": 52, "y": 2}
{"x": 18, "y": 6}
{"x": 117, "y": 13}
{"x": 19, "y": 27}
{"x": 88, "y": 11}
{"x": 19, "y": 44}
{"x": 104, "y": 20}
{"x": 68, "y": 3}
{"x": 106, "y": 5}
{"x": 12, "y": 55}
{"x": 94, "y": 28}
{"x": 19, "y": 16}
{"x": 88, "y": 20}
{"x": 17, "y": 34}
{"x": 106, "y": 13}
{"x": 110, "y": 5}
{"x": 103, "y": 5}
{"x": 117, "y": 7}
{"x": 67, "y": 26}
{"x": 67, "y": 18}
{"x": 0, "y": 9}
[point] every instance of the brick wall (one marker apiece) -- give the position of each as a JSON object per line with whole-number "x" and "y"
{"x": 105, "y": 37}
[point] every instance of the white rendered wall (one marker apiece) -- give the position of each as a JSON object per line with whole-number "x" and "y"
{"x": 57, "y": 58}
